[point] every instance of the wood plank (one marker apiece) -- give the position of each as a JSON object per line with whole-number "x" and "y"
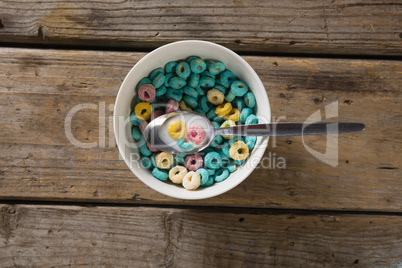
{"x": 361, "y": 27}
{"x": 37, "y": 162}
{"x": 47, "y": 236}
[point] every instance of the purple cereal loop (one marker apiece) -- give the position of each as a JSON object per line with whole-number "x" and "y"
{"x": 196, "y": 134}
{"x": 156, "y": 114}
{"x": 147, "y": 92}
{"x": 193, "y": 162}
{"x": 172, "y": 106}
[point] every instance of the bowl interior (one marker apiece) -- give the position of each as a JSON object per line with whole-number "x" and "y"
{"x": 158, "y": 58}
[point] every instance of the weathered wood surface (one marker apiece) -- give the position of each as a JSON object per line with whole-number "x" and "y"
{"x": 39, "y": 87}
{"x": 289, "y": 26}
{"x": 47, "y": 236}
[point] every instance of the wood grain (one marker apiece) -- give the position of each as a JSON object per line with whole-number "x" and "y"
{"x": 361, "y": 27}
{"x": 37, "y": 162}
{"x": 48, "y": 236}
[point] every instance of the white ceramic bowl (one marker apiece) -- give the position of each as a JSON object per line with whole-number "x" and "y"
{"x": 158, "y": 58}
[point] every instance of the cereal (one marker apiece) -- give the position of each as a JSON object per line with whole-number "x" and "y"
{"x": 193, "y": 80}
{"x": 159, "y": 80}
{"x": 223, "y": 109}
{"x": 246, "y": 112}
{"x": 134, "y": 119}
{"x": 177, "y": 173}
{"x": 216, "y": 141}
{"x": 213, "y": 160}
{"x": 239, "y": 88}
{"x": 225, "y": 149}
{"x": 205, "y": 104}
{"x": 204, "y": 176}
{"x": 196, "y": 134}
{"x": 185, "y": 145}
{"x": 156, "y": 114}
{"x": 183, "y": 106}
{"x": 172, "y": 106}
{"x": 147, "y": 92}
{"x": 177, "y": 82}
{"x": 179, "y": 158}
{"x": 207, "y": 81}
{"x": 156, "y": 72}
{"x": 251, "y": 120}
{"x": 215, "y": 96}
{"x": 183, "y": 70}
{"x": 238, "y": 102}
{"x": 233, "y": 115}
{"x": 143, "y": 125}
{"x": 190, "y": 101}
{"x": 197, "y": 66}
{"x": 216, "y": 68}
{"x": 193, "y": 162}
{"x": 170, "y": 66}
{"x": 249, "y": 99}
{"x": 167, "y": 78}
{"x": 221, "y": 175}
{"x": 136, "y": 133}
{"x": 211, "y": 114}
{"x": 239, "y": 150}
{"x": 200, "y": 91}
{"x": 142, "y": 147}
{"x": 200, "y": 111}
{"x": 192, "y": 92}
{"x": 177, "y": 129}
{"x": 146, "y": 162}
{"x": 160, "y": 91}
{"x": 228, "y": 123}
{"x": 164, "y": 160}
{"x": 226, "y": 78}
{"x": 220, "y": 88}
{"x": 143, "y": 81}
{"x": 191, "y": 180}
{"x": 160, "y": 174}
{"x": 151, "y": 148}
{"x": 174, "y": 94}
{"x": 250, "y": 142}
{"x": 143, "y": 110}
{"x": 230, "y": 96}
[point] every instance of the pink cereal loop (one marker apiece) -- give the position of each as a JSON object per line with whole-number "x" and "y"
{"x": 193, "y": 162}
{"x": 172, "y": 106}
{"x": 143, "y": 125}
{"x": 196, "y": 134}
{"x": 156, "y": 114}
{"x": 151, "y": 148}
{"x": 147, "y": 92}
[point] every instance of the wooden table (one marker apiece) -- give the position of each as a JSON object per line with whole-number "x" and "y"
{"x": 66, "y": 206}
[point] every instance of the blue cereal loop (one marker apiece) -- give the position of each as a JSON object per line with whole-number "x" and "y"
{"x": 200, "y": 91}
{"x": 216, "y": 68}
{"x": 211, "y": 172}
{"x": 250, "y": 141}
{"x": 160, "y": 174}
{"x": 204, "y": 175}
{"x": 136, "y": 133}
{"x": 225, "y": 149}
{"x": 167, "y": 78}
{"x": 153, "y": 161}
{"x": 185, "y": 145}
{"x": 234, "y": 139}
{"x": 213, "y": 160}
{"x": 189, "y": 59}
{"x": 211, "y": 114}
{"x": 226, "y": 78}
{"x": 205, "y": 104}
{"x": 200, "y": 111}
{"x": 190, "y": 91}
{"x": 249, "y": 99}
{"x": 216, "y": 141}
{"x": 238, "y": 103}
{"x": 251, "y": 120}
{"x": 177, "y": 82}
{"x": 159, "y": 80}
{"x": 160, "y": 91}
{"x": 183, "y": 70}
{"x": 146, "y": 162}
{"x": 230, "y": 96}
{"x": 209, "y": 182}
{"x": 197, "y": 66}
{"x": 190, "y": 101}
{"x": 215, "y": 124}
{"x": 246, "y": 112}
{"x": 220, "y": 88}
{"x": 239, "y": 88}
{"x": 170, "y": 66}
{"x": 179, "y": 158}
{"x": 231, "y": 167}
{"x": 143, "y": 81}
{"x": 239, "y": 162}
{"x": 207, "y": 73}
{"x": 221, "y": 175}
{"x": 156, "y": 72}
{"x": 193, "y": 80}
{"x": 174, "y": 94}
{"x": 134, "y": 120}
{"x": 142, "y": 147}
{"x": 206, "y": 81}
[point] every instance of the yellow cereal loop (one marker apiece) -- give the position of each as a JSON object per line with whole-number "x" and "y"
{"x": 143, "y": 110}
{"x": 215, "y": 96}
{"x": 177, "y": 129}
{"x": 183, "y": 106}
{"x": 239, "y": 151}
{"x": 223, "y": 109}
{"x": 177, "y": 173}
{"x": 191, "y": 181}
{"x": 233, "y": 115}
{"x": 164, "y": 160}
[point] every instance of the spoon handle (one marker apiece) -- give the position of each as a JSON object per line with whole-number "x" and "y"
{"x": 290, "y": 129}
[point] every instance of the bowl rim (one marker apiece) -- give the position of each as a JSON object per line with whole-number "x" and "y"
{"x": 256, "y": 152}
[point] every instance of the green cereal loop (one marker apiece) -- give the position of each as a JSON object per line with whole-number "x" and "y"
{"x": 251, "y": 120}
{"x": 160, "y": 91}
{"x": 239, "y": 103}
{"x": 228, "y": 123}
{"x": 221, "y": 175}
{"x": 216, "y": 68}
{"x": 204, "y": 175}
{"x": 226, "y": 78}
{"x": 169, "y": 67}
{"x": 156, "y": 72}
{"x": 159, "y": 80}
{"x": 136, "y": 133}
{"x": 206, "y": 81}
{"x": 193, "y": 80}
{"x": 183, "y": 70}
{"x": 190, "y": 101}
{"x": 190, "y": 91}
{"x": 230, "y": 96}
{"x": 239, "y": 88}
{"x": 167, "y": 78}
{"x": 134, "y": 120}
{"x": 205, "y": 104}
{"x": 143, "y": 81}
{"x": 197, "y": 66}
{"x": 177, "y": 82}
{"x": 160, "y": 174}
{"x": 146, "y": 162}
{"x": 249, "y": 99}
{"x": 246, "y": 112}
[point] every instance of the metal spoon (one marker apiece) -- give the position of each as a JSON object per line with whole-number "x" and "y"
{"x": 156, "y": 131}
